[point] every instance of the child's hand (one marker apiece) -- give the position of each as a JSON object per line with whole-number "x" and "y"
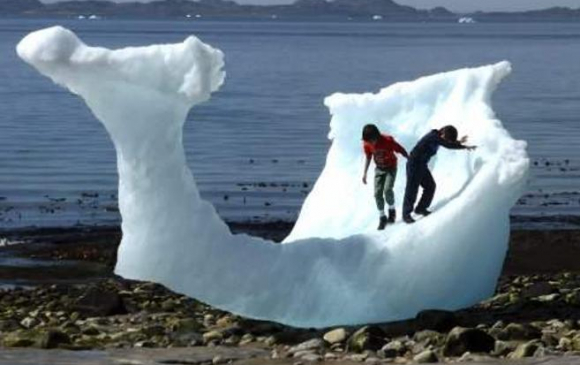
{"x": 463, "y": 139}
{"x": 365, "y": 179}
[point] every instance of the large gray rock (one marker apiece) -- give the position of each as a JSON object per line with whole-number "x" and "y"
{"x": 461, "y": 340}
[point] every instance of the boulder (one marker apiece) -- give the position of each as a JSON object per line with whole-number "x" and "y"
{"x": 52, "y": 339}
{"x": 525, "y": 350}
{"x": 436, "y": 320}
{"x": 537, "y": 289}
{"x": 212, "y": 336}
{"x": 18, "y": 339}
{"x": 392, "y": 349}
{"x": 316, "y": 344}
{"x": 99, "y": 302}
{"x": 429, "y": 337}
{"x": 573, "y": 297}
{"x": 461, "y": 340}
{"x": 518, "y": 331}
{"x": 366, "y": 338}
{"x": 29, "y": 322}
{"x": 427, "y": 356}
{"x": 503, "y": 348}
{"x": 337, "y": 335}
{"x": 185, "y": 325}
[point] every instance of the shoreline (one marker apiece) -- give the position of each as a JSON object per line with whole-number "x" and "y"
{"x": 64, "y": 296}
{"x": 526, "y": 254}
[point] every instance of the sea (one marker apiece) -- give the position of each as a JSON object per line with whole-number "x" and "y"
{"x": 259, "y": 144}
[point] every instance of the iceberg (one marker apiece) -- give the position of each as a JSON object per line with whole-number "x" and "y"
{"x": 334, "y": 268}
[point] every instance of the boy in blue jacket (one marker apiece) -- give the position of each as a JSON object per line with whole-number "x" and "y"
{"x": 418, "y": 173}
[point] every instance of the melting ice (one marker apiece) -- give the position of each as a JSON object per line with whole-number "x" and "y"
{"x": 334, "y": 268}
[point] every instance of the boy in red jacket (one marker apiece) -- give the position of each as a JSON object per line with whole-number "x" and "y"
{"x": 382, "y": 147}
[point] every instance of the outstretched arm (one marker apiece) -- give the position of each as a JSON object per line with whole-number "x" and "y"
{"x": 463, "y": 140}
{"x": 456, "y": 145}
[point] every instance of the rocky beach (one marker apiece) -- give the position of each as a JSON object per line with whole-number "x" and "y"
{"x": 60, "y": 293}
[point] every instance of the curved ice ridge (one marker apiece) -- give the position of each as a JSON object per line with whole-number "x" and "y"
{"x": 334, "y": 268}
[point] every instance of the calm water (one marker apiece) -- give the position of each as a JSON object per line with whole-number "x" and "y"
{"x": 260, "y": 142}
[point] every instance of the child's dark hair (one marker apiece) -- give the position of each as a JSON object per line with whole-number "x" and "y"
{"x": 370, "y": 133}
{"x": 450, "y": 133}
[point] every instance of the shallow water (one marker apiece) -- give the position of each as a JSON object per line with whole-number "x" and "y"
{"x": 260, "y": 143}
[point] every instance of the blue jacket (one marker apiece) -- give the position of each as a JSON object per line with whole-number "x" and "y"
{"x": 428, "y": 145}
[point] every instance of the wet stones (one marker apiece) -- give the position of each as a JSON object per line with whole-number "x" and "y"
{"x": 47, "y": 317}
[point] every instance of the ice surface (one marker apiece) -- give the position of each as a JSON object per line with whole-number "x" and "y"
{"x": 334, "y": 268}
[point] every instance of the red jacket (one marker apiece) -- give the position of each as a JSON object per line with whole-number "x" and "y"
{"x": 384, "y": 151}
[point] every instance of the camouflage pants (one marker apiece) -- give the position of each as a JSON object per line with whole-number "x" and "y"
{"x": 384, "y": 182}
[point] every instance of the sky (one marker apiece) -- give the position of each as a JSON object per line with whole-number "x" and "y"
{"x": 454, "y": 5}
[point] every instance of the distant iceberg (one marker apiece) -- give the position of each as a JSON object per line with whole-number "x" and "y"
{"x": 466, "y": 20}
{"x": 334, "y": 268}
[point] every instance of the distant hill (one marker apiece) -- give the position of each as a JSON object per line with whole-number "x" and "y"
{"x": 387, "y": 10}
{"x": 10, "y": 7}
{"x": 384, "y": 9}
{"x": 546, "y": 15}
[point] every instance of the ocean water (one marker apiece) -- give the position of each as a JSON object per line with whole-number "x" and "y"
{"x": 259, "y": 144}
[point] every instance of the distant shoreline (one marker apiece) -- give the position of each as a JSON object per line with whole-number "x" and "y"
{"x": 361, "y": 10}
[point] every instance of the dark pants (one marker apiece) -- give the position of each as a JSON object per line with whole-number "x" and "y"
{"x": 418, "y": 174}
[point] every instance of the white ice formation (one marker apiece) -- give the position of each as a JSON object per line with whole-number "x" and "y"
{"x": 334, "y": 268}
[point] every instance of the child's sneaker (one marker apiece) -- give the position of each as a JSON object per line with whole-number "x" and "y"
{"x": 392, "y": 215}
{"x": 382, "y": 223}
{"x": 408, "y": 219}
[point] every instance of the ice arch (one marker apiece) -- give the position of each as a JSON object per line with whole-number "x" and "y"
{"x": 334, "y": 268}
